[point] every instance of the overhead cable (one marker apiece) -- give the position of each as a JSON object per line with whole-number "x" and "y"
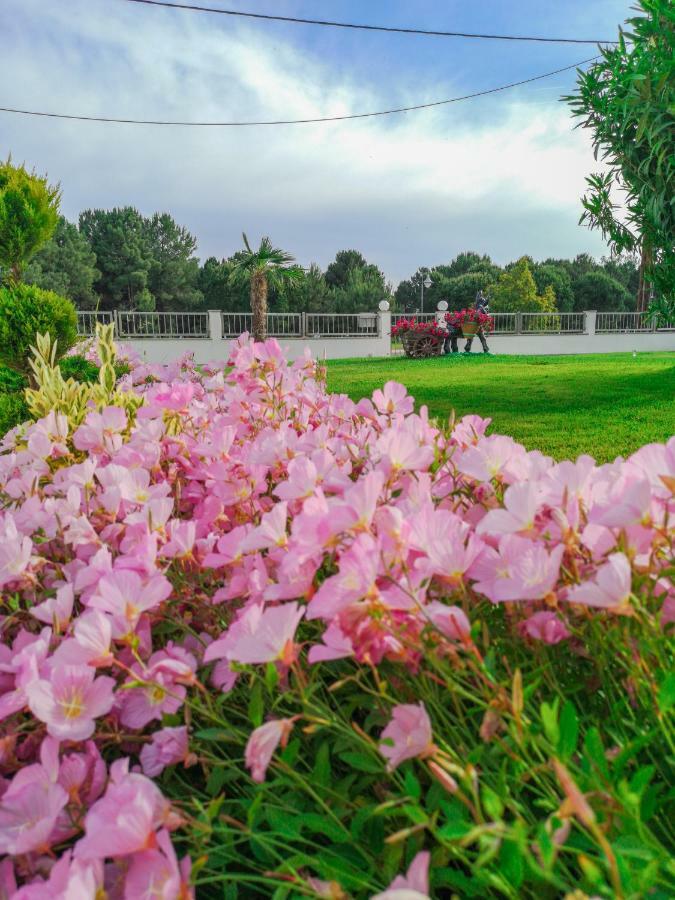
{"x": 426, "y": 32}
{"x": 366, "y": 115}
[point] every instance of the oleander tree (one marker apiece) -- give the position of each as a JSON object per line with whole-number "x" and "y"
{"x": 627, "y": 101}
{"x": 266, "y": 267}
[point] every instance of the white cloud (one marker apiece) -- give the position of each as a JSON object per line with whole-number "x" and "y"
{"x": 407, "y": 190}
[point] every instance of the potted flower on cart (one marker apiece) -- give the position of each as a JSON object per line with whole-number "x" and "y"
{"x": 469, "y": 321}
{"x": 419, "y": 339}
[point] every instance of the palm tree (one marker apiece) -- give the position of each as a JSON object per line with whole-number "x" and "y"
{"x": 263, "y": 268}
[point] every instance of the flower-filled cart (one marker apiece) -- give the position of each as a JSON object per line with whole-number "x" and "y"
{"x": 419, "y": 339}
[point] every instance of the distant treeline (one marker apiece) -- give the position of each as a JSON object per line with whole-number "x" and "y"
{"x": 119, "y": 259}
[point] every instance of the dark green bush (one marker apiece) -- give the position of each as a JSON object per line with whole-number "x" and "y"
{"x": 79, "y": 368}
{"x": 11, "y": 381}
{"x": 13, "y": 411}
{"x": 25, "y": 312}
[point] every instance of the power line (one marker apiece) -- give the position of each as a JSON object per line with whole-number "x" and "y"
{"x": 367, "y": 115}
{"x": 361, "y": 27}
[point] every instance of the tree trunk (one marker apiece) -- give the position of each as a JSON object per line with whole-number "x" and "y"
{"x": 259, "y": 305}
{"x": 643, "y": 285}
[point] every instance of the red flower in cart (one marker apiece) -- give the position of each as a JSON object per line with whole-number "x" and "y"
{"x": 469, "y": 316}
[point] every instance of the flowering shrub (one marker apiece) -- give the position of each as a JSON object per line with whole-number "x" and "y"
{"x": 315, "y": 644}
{"x": 469, "y": 316}
{"x": 412, "y": 326}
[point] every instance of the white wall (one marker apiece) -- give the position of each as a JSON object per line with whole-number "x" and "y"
{"x": 565, "y": 344}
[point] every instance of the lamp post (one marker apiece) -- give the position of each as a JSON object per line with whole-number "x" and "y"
{"x": 426, "y": 283}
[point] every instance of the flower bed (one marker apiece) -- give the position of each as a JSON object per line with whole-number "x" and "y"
{"x": 316, "y": 644}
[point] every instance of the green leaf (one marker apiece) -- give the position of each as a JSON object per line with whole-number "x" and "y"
{"x": 363, "y": 763}
{"x": 271, "y": 677}
{"x": 569, "y": 730}
{"x": 319, "y": 823}
{"x": 511, "y": 862}
{"x": 412, "y": 785}
{"x": 549, "y": 718}
{"x": 667, "y": 693}
{"x": 595, "y": 751}
{"x": 492, "y": 803}
{"x": 321, "y": 770}
{"x": 255, "y": 705}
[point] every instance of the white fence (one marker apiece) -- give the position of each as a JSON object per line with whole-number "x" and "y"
{"x": 164, "y": 336}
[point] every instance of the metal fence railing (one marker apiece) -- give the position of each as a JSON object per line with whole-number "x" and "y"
{"x": 87, "y": 319}
{"x": 134, "y": 324}
{"x": 278, "y": 324}
{"x": 615, "y": 322}
{"x": 172, "y": 325}
{"x": 552, "y": 323}
{"x": 321, "y": 325}
{"x": 504, "y": 323}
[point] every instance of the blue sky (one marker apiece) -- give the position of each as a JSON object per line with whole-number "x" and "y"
{"x": 500, "y": 174}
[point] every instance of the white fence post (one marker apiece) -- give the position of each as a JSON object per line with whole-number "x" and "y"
{"x": 215, "y": 325}
{"x": 384, "y": 328}
{"x": 590, "y": 319}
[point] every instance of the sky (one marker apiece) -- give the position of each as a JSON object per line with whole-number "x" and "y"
{"x": 501, "y": 174}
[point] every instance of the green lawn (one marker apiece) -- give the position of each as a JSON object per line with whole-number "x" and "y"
{"x": 605, "y": 405}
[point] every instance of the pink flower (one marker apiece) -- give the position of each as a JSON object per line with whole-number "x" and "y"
{"x": 163, "y": 691}
{"x": 29, "y": 810}
{"x": 270, "y": 533}
{"x": 414, "y": 885}
{"x": 126, "y": 597}
{"x": 56, "y": 611}
{"x": 90, "y": 644}
{"x": 271, "y": 638}
{"x": 546, "y": 627}
{"x": 263, "y": 742}
{"x": 70, "y": 700}
{"x": 393, "y": 398}
{"x": 355, "y": 581}
{"x": 15, "y": 552}
{"x": 157, "y": 875}
{"x": 125, "y": 819}
{"x": 522, "y": 502}
{"x": 610, "y": 589}
{"x": 400, "y": 448}
{"x": 450, "y": 620}
{"x": 168, "y": 747}
{"x": 469, "y": 430}
{"x": 101, "y": 432}
{"x": 521, "y": 570}
{"x": 407, "y": 735}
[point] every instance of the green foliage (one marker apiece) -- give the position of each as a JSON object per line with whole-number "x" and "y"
{"x": 605, "y": 405}
{"x": 173, "y": 271}
{"x": 29, "y": 209}
{"x": 11, "y": 381}
{"x": 556, "y": 277}
{"x": 117, "y": 238}
{"x": 79, "y": 368}
{"x": 266, "y": 267}
{"x": 627, "y": 100}
{"x": 13, "y": 411}
{"x": 597, "y": 290}
{"x": 516, "y": 291}
{"x": 66, "y": 265}
{"x": 25, "y": 312}
{"x": 510, "y": 827}
{"x": 144, "y": 263}
{"x": 661, "y": 312}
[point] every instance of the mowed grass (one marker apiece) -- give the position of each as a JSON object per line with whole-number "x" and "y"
{"x": 604, "y": 405}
